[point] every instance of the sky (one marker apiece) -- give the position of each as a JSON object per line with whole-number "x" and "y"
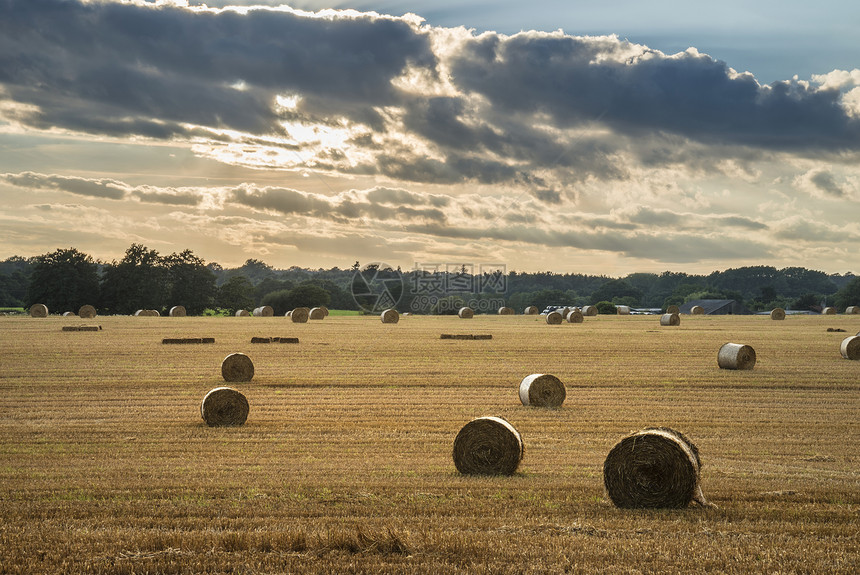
{"x": 573, "y": 137}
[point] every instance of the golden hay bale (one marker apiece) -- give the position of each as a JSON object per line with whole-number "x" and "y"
{"x": 670, "y": 319}
{"x": 237, "y": 367}
{"x": 316, "y": 313}
{"x": 554, "y": 318}
{"x": 87, "y": 312}
{"x": 850, "y": 347}
{"x": 777, "y": 313}
{"x": 656, "y": 467}
{"x": 852, "y": 310}
{"x": 589, "y": 311}
{"x": 81, "y": 328}
{"x": 177, "y": 311}
{"x": 325, "y": 310}
{"x": 531, "y": 310}
{"x": 466, "y": 336}
{"x": 828, "y": 311}
{"x": 466, "y": 313}
{"x": 224, "y": 406}
{"x": 673, "y": 309}
{"x": 622, "y": 309}
{"x": 542, "y": 390}
{"x": 38, "y": 310}
{"x": 697, "y": 310}
{"x": 390, "y": 316}
{"x": 736, "y": 356}
{"x": 147, "y": 313}
{"x": 70, "y": 314}
{"x": 264, "y": 311}
{"x": 285, "y": 340}
{"x": 261, "y": 340}
{"x": 242, "y": 313}
{"x": 488, "y": 446}
{"x": 574, "y": 316}
{"x": 300, "y": 315}
{"x": 506, "y": 311}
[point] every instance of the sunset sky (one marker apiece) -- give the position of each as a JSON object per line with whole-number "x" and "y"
{"x": 603, "y": 138}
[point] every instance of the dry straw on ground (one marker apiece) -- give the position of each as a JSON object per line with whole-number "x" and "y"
{"x": 777, "y": 313}
{"x": 300, "y": 315}
{"x": 242, "y": 313}
{"x": 87, "y": 312}
{"x": 850, "y": 347}
{"x": 237, "y": 367}
{"x": 38, "y": 310}
{"x": 697, "y": 310}
{"x": 656, "y": 467}
{"x": 670, "y": 319}
{"x": 574, "y": 316}
{"x": 828, "y": 311}
{"x": 224, "y": 406}
{"x": 736, "y": 356}
{"x": 542, "y": 390}
{"x": 531, "y": 310}
{"x": 488, "y": 446}
{"x": 506, "y": 311}
{"x": 466, "y": 313}
{"x": 390, "y": 316}
{"x": 554, "y": 318}
{"x": 317, "y": 313}
{"x": 622, "y": 309}
{"x": 673, "y": 309}
{"x": 852, "y": 310}
{"x": 264, "y": 311}
{"x": 177, "y": 311}
{"x": 589, "y": 311}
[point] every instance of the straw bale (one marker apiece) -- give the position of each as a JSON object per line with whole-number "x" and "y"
{"x": 81, "y": 328}
{"x": 242, "y": 313}
{"x": 488, "y": 446}
{"x": 317, "y": 313}
{"x": 777, "y": 313}
{"x": 264, "y": 311}
{"x": 531, "y": 310}
{"x": 697, "y": 310}
{"x": 506, "y": 311}
{"x": 466, "y": 336}
{"x": 622, "y": 309}
{"x": 87, "y": 312}
{"x": 554, "y": 318}
{"x": 325, "y": 310}
{"x": 828, "y": 311}
{"x": 542, "y": 390}
{"x": 38, "y": 310}
{"x": 237, "y": 367}
{"x": 671, "y": 319}
{"x": 589, "y": 311}
{"x": 261, "y": 340}
{"x": 285, "y": 340}
{"x": 300, "y": 315}
{"x": 574, "y": 316}
{"x": 390, "y": 316}
{"x": 466, "y": 313}
{"x": 177, "y": 311}
{"x": 852, "y": 310}
{"x": 673, "y": 309}
{"x": 736, "y": 356}
{"x": 70, "y": 314}
{"x": 224, "y": 406}
{"x": 850, "y": 347}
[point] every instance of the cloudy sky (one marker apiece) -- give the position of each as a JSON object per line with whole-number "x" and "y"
{"x": 568, "y": 136}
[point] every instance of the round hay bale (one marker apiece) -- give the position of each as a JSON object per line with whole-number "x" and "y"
{"x": 574, "y": 316}
{"x": 554, "y": 318}
{"x": 673, "y": 309}
{"x": 390, "y": 316}
{"x": 224, "y": 406}
{"x": 542, "y": 390}
{"x": 237, "y": 367}
{"x": 300, "y": 315}
{"x": 622, "y": 309}
{"x": 697, "y": 310}
{"x": 38, "y": 310}
{"x": 466, "y": 313}
{"x": 736, "y": 356}
{"x": 325, "y": 310}
{"x": 140, "y": 313}
{"x": 777, "y": 313}
{"x": 70, "y": 314}
{"x": 506, "y": 311}
{"x": 87, "y": 312}
{"x": 488, "y": 446}
{"x": 828, "y": 311}
{"x": 531, "y": 310}
{"x": 850, "y": 347}
{"x": 242, "y": 313}
{"x": 852, "y": 310}
{"x": 671, "y": 319}
{"x": 177, "y": 311}
{"x": 264, "y": 311}
{"x": 589, "y": 311}
{"x": 653, "y": 468}
{"x": 316, "y": 313}
{"x": 564, "y": 311}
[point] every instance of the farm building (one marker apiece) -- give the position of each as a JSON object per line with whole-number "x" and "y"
{"x": 716, "y": 307}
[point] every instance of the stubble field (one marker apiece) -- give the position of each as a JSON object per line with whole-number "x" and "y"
{"x": 344, "y": 464}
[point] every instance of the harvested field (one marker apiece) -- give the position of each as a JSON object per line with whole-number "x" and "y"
{"x": 345, "y": 462}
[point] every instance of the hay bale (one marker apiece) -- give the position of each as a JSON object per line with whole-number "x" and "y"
{"x": 242, "y": 313}
{"x": 177, "y": 311}
{"x": 697, "y": 310}
{"x": 554, "y": 318}
{"x": 390, "y": 316}
{"x": 828, "y": 311}
{"x": 261, "y": 340}
{"x": 87, "y": 312}
{"x": 736, "y": 356}
{"x": 672, "y": 319}
{"x": 506, "y": 311}
{"x": 38, "y": 310}
{"x": 850, "y": 347}
{"x": 622, "y": 310}
{"x": 673, "y": 309}
{"x": 300, "y": 315}
{"x": 575, "y": 316}
{"x": 237, "y": 367}
{"x": 317, "y": 313}
{"x": 466, "y": 313}
{"x": 531, "y": 310}
{"x": 542, "y": 390}
{"x": 224, "y": 406}
{"x": 264, "y": 311}
{"x": 147, "y": 313}
{"x": 325, "y": 310}
{"x": 656, "y": 467}
{"x": 285, "y": 340}
{"x": 777, "y": 313}
{"x": 589, "y": 311}
{"x": 852, "y": 310}
{"x": 70, "y": 314}
{"x": 466, "y": 336}
{"x": 488, "y": 446}
{"x": 81, "y": 328}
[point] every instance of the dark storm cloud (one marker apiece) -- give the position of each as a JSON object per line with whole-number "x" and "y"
{"x": 825, "y": 182}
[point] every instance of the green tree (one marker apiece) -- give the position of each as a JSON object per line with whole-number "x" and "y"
{"x": 138, "y": 281}
{"x": 235, "y": 294}
{"x": 192, "y": 284}
{"x": 606, "y": 307}
{"x": 617, "y": 289}
{"x": 64, "y": 280}
{"x": 303, "y": 295}
{"x": 848, "y": 295}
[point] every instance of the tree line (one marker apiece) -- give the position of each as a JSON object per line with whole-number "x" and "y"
{"x": 66, "y": 279}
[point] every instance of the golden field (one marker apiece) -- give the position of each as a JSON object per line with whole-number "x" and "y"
{"x": 344, "y": 464}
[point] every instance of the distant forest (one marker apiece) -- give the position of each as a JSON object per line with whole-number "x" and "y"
{"x": 66, "y": 279}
